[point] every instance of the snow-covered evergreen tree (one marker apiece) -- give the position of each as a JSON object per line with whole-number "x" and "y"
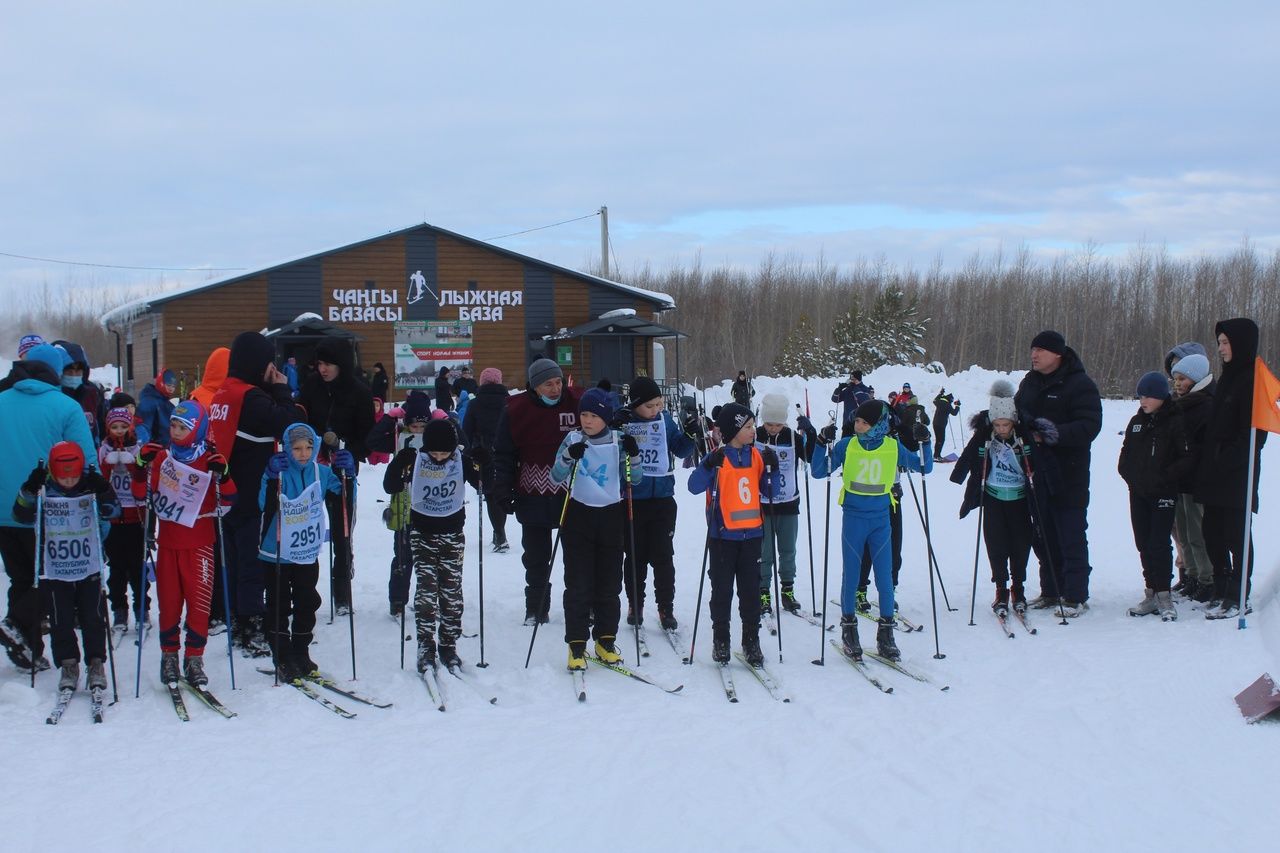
{"x": 803, "y": 353}
{"x": 889, "y": 332}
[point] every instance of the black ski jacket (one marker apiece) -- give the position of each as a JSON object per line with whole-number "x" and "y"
{"x": 1070, "y": 400}
{"x": 1155, "y": 455}
{"x": 1224, "y": 458}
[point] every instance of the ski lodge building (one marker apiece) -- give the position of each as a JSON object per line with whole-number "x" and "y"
{"x": 414, "y": 300}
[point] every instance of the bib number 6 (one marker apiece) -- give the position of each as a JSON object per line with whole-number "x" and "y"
{"x": 744, "y": 490}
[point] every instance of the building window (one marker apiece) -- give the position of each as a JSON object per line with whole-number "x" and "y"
{"x": 128, "y": 361}
{"x": 155, "y": 356}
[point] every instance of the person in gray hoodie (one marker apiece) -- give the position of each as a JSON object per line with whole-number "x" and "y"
{"x": 1193, "y": 390}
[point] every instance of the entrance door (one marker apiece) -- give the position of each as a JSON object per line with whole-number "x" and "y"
{"x": 612, "y": 358}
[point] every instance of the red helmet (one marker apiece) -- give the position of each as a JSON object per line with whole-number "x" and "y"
{"x": 66, "y": 460}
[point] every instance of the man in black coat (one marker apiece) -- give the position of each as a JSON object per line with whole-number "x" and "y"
{"x": 1061, "y": 406}
{"x": 944, "y": 406}
{"x": 465, "y": 382}
{"x": 480, "y": 426}
{"x": 340, "y": 409}
{"x": 380, "y": 383}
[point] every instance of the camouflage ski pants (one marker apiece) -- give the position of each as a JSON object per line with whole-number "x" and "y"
{"x": 437, "y": 563}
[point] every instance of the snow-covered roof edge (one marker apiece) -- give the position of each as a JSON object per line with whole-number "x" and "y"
{"x": 135, "y": 308}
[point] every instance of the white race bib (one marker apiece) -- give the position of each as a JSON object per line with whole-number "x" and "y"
{"x": 787, "y": 489}
{"x": 121, "y": 484}
{"x": 72, "y": 545}
{"x": 655, "y": 460}
{"x": 597, "y": 482}
{"x": 180, "y": 492}
{"x": 302, "y": 525}
{"x": 437, "y": 490}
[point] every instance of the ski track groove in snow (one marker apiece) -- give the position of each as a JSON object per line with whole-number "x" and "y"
{"x": 1104, "y": 733}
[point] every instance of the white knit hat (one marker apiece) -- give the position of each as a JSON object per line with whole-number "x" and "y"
{"x": 1001, "y": 404}
{"x": 773, "y": 409}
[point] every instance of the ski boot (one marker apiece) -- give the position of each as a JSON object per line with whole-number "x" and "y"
{"x": 860, "y": 602}
{"x": 607, "y": 651}
{"x": 631, "y": 615}
{"x": 1043, "y": 602}
{"x": 396, "y": 610}
{"x": 449, "y": 657}
{"x": 15, "y": 644}
{"x": 193, "y": 671}
{"x": 766, "y": 601}
{"x": 849, "y": 636}
{"x": 789, "y": 602}
{"x": 720, "y": 644}
{"x": 751, "y": 648}
{"x": 1146, "y": 606}
{"x": 70, "y": 679}
{"x": 577, "y": 656}
{"x": 97, "y": 675}
{"x": 1001, "y": 605}
{"x": 667, "y": 619}
{"x": 885, "y": 644}
{"x": 1018, "y": 598}
{"x": 1164, "y": 602}
{"x": 120, "y": 618}
{"x": 169, "y": 668}
{"x": 300, "y": 655}
{"x": 426, "y": 656}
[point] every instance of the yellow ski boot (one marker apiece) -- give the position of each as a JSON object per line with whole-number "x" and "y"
{"x": 607, "y": 651}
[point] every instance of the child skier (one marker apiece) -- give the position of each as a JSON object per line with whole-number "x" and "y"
{"x": 75, "y": 504}
{"x": 124, "y": 545}
{"x": 595, "y": 457}
{"x": 436, "y": 475}
{"x": 378, "y": 457}
{"x": 293, "y": 490}
{"x": 868, "y": 463}
{"x": 1154, "y": 457}
{"x": 994, "y": 462}
{"x": 660, "y": 442}
{"x": 736, "y": 476}
{"x": 401, "y": 428}
{"x": 782, "y": 510}
{"x": 181, "y": 485}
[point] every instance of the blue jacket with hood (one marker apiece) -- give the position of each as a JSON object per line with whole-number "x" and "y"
{"x": 293, "y": 480}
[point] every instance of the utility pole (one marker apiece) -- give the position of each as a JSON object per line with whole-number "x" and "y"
{"x": 604, "y": 242}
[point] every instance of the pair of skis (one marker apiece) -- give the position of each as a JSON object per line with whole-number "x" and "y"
{"x": 901, "y": 622}
{"x": 439, "y": 692}
{"x": 1002, "y": 619}
{"x": 761, "y": 673}
{"x": 64, "y": 699}
{"x": 864, "y": 670}
{"x": 580, "y": 678}
{"x": 304, "y": 685}
{"x": 771, "y": 622}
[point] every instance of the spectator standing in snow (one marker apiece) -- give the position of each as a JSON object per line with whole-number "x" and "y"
{"x": 155, "y": 408}
{"x": 944, "y": 406}
{"x": 1194, "y": 387}
{"x": 742, "y": 390}
{"x": 480, "y": 427}
{"x": 380, "y": 383}
{"x": 1061, "y": 406}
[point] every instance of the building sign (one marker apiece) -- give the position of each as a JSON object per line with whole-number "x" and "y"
{"x": 422, "y": 348}
{"x": 564, "y": 355}
{"x": 365, "y": 305}
{"x": 479, "y": 306}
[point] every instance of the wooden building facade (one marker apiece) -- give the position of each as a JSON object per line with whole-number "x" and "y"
{"x": 423, "y": 277}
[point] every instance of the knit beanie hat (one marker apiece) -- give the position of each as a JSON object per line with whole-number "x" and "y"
{"x": 66, "y": 459}
{"x": 26, "y": 343}
{"x": 1195, "y": 367}
{"x": 597, "y": 402}
{"x": 642, "y": 390}
{"x": 491, "y": 376}
{"x": 417, "y": 408}
{"x": 870, "y": 411}
{"x": 773, "y": 409}
{"x": 440, "y": 436}
{"x": 1154, "y": 384}
{"x": 1001, "y": 405}
{"x": 542, "y": 370}
{"x": 49, "y": 355}
{"x": 1050, "y": 340}
{"x": 119, "y": 416}
{"x": 731, "y": 418}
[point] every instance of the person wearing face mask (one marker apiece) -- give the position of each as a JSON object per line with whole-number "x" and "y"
{"x": 525, "y": 448}
{"x": 76, "y": 385}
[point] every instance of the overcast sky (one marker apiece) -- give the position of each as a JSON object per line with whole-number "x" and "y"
{"x": 238, "y": 134}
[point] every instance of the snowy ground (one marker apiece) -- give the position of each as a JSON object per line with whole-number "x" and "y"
{"x": 1112, "y": 733}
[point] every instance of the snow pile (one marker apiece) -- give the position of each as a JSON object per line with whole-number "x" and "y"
{"x": 1103, "y": 734}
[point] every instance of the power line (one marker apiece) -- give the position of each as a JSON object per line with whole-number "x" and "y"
{"x": 541, "y": 227}
{"x": 121, "y": 266}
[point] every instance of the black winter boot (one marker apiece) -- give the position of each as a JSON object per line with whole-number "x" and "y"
{"x": 300, "y": 652}
{"x": 720, "y": 643}
{"x": 751, "y": 647}
{"x": 849, "y": 636}
{"x": 885, "y": 644}
{"x": 789, "y": 602}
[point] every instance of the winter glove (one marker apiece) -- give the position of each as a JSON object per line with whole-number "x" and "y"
{"x": 218, "y": 466}
{"x": 828, "y": 434}
{"x": 94, "y": 482}
{"x": 804, "y": 424}
{"x": 37, "y": 479}
{"x": 630, "y": 445}
{"x": 957, "y": 405}
{"x": 149, "y": 452}
{"x": 124, "y": 457}
{"x": 622, "y": 417}
{"x": 111, "y": 457}
{"x": 1047, "y": 430}
{"x": 690, "y": 425}
{"x": 577, "y": 450}
{"x": 769, "y": 457}
{"x": 406, "y": 457}
{"x": 714, "y": 459}
{"x": 396, "y": 412}
{"x": 344, "y": 462}
{"x": 277, "y": 465}
{"x": 331, "y": 438}
{"x": 920, "y": 433}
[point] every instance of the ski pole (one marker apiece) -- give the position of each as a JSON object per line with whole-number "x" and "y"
{"x": 706, "y": 552}
{"x": 546, "y": 582}
{"x": 933, "y": 560}
{"x": 39, "y": 561}
{"x": 1044, "y": 535}
{"x": 480, "y": 510}
{"x": 933, "y": 598}
{"x": 111, "y": 652}
{"x": 141, "y": 623}
{"x": 977, "y": 539}
{"x": 631, "y": 557}
{"x": 351, "y": 566}
{"x": 406, "y": 548}
{"x": 928, "y": 528}
{"x": 808, "y": 520}
{"x": 276, "y": 603}
{"x": 826, "y": 552}
{"x": 777, "y": 567}
{"x": 226, "y": 588}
